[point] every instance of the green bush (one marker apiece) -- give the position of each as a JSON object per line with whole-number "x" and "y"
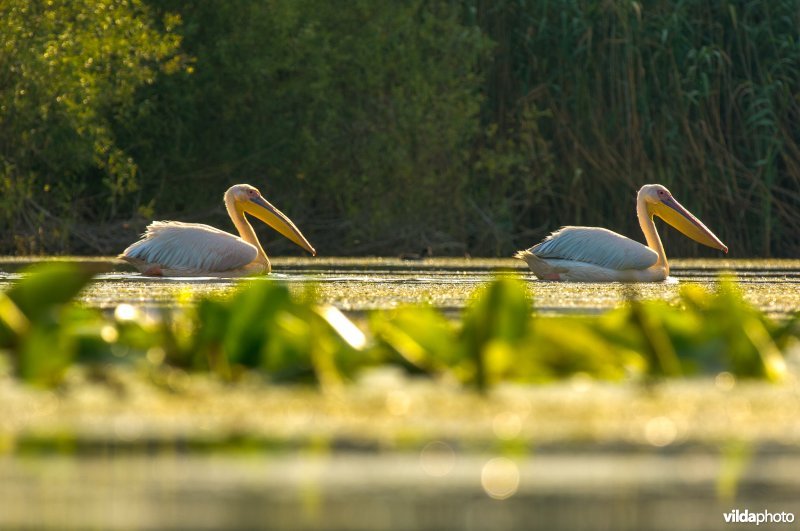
{"x": 69, "y": 71}
{"x": 357, "y": 119}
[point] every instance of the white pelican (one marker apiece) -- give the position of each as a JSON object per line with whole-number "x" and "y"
{"x": 593, "y": 254}
{"x": 172, "y": 248}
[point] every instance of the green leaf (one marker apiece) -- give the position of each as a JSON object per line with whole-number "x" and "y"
{"x": 44, "y": 287}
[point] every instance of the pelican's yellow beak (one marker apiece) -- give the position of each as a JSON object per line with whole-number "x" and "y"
{"x": 263, "y": 210}
{"x": 676, "y": 215}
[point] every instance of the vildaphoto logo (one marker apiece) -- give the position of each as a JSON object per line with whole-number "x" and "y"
{"x": 762, "y": 517}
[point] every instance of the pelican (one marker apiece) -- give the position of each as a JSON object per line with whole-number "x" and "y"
{"x": 594, "y": 254}
{"x": 172, "y": 248}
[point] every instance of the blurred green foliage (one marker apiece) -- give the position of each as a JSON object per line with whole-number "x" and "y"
{"x": 384, "y": 127}
{"x": 264, "y": 329}
{"x": 44, "y": 333}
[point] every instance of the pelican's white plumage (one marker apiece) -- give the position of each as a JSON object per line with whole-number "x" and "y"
{"x": 172, "y": 248}
{"x": 595, "y": 254}
{"x": 174, "y": 243}
{"x": 596, "y": 245}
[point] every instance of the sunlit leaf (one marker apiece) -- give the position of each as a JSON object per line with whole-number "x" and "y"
{"x": 48, "y": 285}
{"x": 500, "y": 313}
{"x": 421, "y": 336}
{"x": 13, "y": 323}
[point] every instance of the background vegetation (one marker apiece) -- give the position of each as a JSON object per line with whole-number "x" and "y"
{"x": 463, "y": 126}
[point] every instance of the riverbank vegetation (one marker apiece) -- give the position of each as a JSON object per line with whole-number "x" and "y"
{"x": 264, "y": 331}
{"x": 448, "y": 127}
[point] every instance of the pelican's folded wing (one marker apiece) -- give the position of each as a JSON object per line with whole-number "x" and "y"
{"x": 191, "y": 246}
{"x": 595, "y": 245}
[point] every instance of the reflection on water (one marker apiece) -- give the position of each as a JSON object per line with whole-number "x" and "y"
{"x": 599, "y": 490}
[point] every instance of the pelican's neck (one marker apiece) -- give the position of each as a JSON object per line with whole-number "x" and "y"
{"x": 246, "y": 231}
{"x": 650, "y": 232}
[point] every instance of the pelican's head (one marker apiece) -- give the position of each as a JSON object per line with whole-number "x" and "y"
{"x": 246, "y": 198}
{"x": 659, "y": 202}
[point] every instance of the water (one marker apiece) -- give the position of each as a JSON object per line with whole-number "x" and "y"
{"x": 600, "y": 491}
{"x": 394, "y": 452}
{"x": 361, "y": 284}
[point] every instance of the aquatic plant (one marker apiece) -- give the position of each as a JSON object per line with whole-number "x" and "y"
{"x": 42, "y": 331}
{"x": 264, "y": 329}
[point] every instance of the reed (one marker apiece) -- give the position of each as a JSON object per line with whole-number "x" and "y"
{"x": 698, "y": 96}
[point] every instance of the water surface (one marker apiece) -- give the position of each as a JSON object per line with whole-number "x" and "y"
{"x": 360, "y": 284}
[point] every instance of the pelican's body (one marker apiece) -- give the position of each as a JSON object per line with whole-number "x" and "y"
{"x": 593, "y": 254}
{"x": 172, "y": 248}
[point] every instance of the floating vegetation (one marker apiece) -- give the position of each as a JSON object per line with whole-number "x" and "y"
{"x": 266, "y": 330}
